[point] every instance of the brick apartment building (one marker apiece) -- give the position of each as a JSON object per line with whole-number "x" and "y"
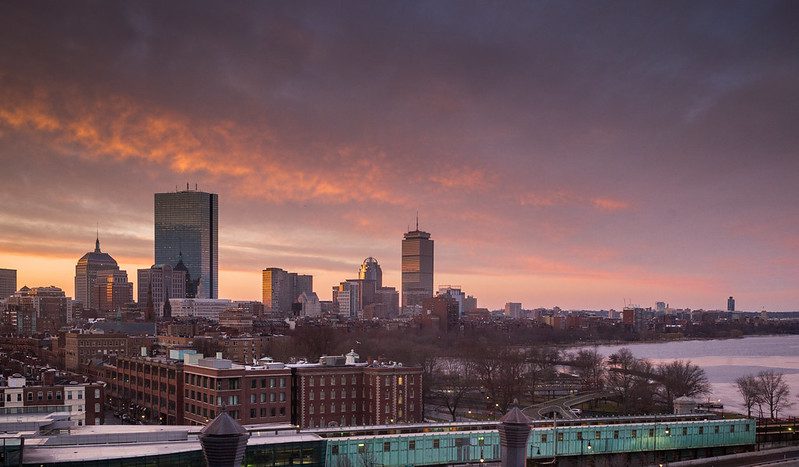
{"x": 83, "y": 401}
{"x": 254, "y": 394}
{"x": 338, "y": 391}
{"x": 79, "y": 349}
{"x": 147, "y": 388}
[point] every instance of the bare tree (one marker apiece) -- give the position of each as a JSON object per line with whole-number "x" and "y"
{"x": 774, "y": 391}
{"x": 501, "y": 373}
{"x": 590, "y": 368}
{"x": 749, "y": 388}
{"x": 454, "y": 381}
{"x": 629, "y": 381}
{"x": 681, "y": 379}
{"x": 541, "y": 368}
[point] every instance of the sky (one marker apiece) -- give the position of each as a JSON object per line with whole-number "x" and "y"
{"x": 572, "y": 154}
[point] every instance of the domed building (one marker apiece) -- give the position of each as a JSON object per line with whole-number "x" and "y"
{"x": 86, "y": 274}
{"x": 370, "y": 270}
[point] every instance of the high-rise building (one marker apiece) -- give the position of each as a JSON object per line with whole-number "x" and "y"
{"x": 86, "y": 274}
{"x": 417, "y": 267}
{"x": 186, "y": 229}
{"x": 513, "y": 310}
{"x": 8, "y": 282}
{"x": 370, "y": 270}
{"x": 730, "y": 304}
{"x": 455, "y": 292}
{"x": 157, "y": 284}
{"x": 660, "y": 307}
{"x": 112, "y": 290}
{"x": 282, "y": 288}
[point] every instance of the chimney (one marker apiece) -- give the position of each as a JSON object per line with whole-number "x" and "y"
{"x": 514, "y": 430}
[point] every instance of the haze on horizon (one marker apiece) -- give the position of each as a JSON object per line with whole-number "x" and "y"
{"x": 560, "y": 153}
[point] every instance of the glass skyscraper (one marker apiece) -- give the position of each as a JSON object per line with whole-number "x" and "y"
{"x": 186, "y": 229}
{"x": 417, "y": 267}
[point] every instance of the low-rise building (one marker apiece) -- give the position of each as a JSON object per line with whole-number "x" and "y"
{"x": 82, "y": 401}
{"x": 252, "y": 394}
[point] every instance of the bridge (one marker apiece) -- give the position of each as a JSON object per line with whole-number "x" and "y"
{"x": 561, "y": 406}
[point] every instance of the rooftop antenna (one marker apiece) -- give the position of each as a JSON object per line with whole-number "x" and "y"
{"x": 97, "y": 240}
{"x": 195, "y": 187}
{"x": 187, "y": 186}
{"x": 417, "y": 219}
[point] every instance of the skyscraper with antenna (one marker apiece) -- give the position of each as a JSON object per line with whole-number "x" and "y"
{"x": 186, "y": 237}
{"x": 417, "y": 266}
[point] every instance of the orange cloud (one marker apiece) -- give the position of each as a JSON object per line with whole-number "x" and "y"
{"x": 610, "y": 204}
{"x": 251, "y": 160}
{"x": 464, "y": 179}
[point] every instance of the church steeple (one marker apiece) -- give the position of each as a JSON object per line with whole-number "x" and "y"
{"x": 97, "y": 242}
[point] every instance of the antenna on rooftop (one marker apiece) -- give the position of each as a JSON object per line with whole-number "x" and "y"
{"x": 417, "y": 219}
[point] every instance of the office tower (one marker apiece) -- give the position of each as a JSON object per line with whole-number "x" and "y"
{"x": 186, "y": 229}
{"x": 370, "y": 270}
{"x": 730, "y": 304}
{"x": 417, "y": 267}
{"x": 455, "y": 292}
{"x": 158, "y": 283}
{"x": 8, "y": 282}
{"x": 86, "y": 274}
{"x": 112, "y": 290}
{"x": 513, "y": 310}
{"x": 282, "y": 288}
{"x": 660, "y": 307}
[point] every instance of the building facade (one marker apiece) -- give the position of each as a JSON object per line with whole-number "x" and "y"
{"x": 251, "y": 394}
{"x": 157, "y": 284}
{"x": 147, "y": 388}
{"x": 186, "y": 229}
{"x": 83, "y": 401}
{"x": 111, "y": 290}
{"x": 207, "y": 308}
{"x": 8, "y": 282}
{"x": 86, "y": 274}
{"x": 417, "y": 268}
{"x": 339, "y": 391}
{"x": 282, "y": 288}
{"x": 79, "y": 349}
{"x": 370, "y": 270}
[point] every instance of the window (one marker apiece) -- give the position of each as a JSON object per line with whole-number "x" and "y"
{"x": 597, "y": 435}
{"x": 310, "y": 381}
{"x": 543, "y": 438}
{"x": 684, "y": 430}
{"x": 282, "y": 397}
{"x": 412, "y": 445}
{"x": 283, "y": 411}
{"x": 746, "y": 427}
{"x": 399, "y": 380}
{"x": 80, "y": 395}
{"x": 560, "y": 436}
{"x": 651, "y": 432}
{"x": 334, "y": 449}
{"x": 253, "y": 383}
{"x": 634, "y": 433}
{"x": 272, "y": 412}
{"x": 263, "y": 397}
{"x": 310, "y": 396}
{"x": 96, "y": 407}
{"x": 252, "y": 413}
{"x": 271, "y": 382}
{"x": 701, "y": 430}
{"x": 716, "y": 429}
{"x": 732, "y": 428}
{"x": 362, "y": 448}
{"x": 252, "y": 398}
{"x": 436, "y": 443}
{"x": 282, "y": 382}
{"x": 579, "y": 435}
{"x": 310, "y": 410}
{"x": 615, "y": 434}
{"x": 263, "y": 382}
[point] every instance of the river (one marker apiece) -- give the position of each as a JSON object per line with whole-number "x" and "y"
{"x": 725, "y": 360}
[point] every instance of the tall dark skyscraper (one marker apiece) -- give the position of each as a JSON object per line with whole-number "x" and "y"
{"x": 186, "y": 229}
{"x": 417, "y": 267}
{"x": 730, "y": 304}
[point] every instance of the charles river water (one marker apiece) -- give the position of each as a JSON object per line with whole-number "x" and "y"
{"x": 725, "y": 360}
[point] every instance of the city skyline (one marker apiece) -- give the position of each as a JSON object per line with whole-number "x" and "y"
{"x": 554, "y": 163}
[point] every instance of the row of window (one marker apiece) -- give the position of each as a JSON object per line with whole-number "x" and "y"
{"x": 353, "y": 380}
{"x": 365, "y": 393}
{"x": 210, "y": 382}
{"x": 650, "y": 433}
